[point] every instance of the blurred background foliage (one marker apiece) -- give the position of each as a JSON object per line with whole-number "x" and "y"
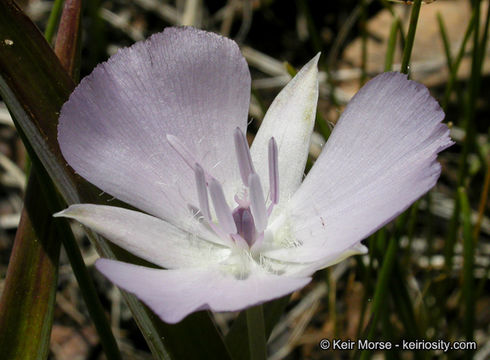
{"x": 426, "y": 274}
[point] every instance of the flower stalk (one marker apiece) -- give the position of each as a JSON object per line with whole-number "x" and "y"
{"x": 256, "y": 333}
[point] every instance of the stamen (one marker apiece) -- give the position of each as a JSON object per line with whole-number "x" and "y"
{"x": 223, "y": 212}
{"x": 273, "y": 171}
{"x": 202, "y": 192}
{"x": 243, "y": 155}
{"x": 257, "y": 202}
{"x": 182, "y": 150}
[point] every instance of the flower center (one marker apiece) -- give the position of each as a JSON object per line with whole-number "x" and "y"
{"x": 246, "y": 223}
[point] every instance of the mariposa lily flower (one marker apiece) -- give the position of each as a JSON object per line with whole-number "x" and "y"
{"x": 161, "y": 125}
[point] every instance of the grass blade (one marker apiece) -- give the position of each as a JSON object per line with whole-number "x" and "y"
{"x": 468, "y": 265}
{"x": 54, "y": 17}
{"x": 25, "y": 326}
{"x": 407, "y": 50}
{"x": 256, "y": 333}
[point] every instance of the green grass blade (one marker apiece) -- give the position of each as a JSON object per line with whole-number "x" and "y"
{"x": 54, "y": 17}
{"x": 445, "y": 42}
{"x": 237, "y": 338}
{"x": 469, "y": 126}
{"x": 391, "y": 48}
{"x": 29, "y": 295}
{"x": 256, "y": 333}
{"x": 380, "y": 293}
{"x": 407, "y": 50}
{"x": 468, "y": 265}
{"x": 457, "y": 61}
{"x": 364, "y": 37}
{"x": 484, "y": 40}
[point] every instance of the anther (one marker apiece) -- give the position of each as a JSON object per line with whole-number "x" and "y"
{"x": 243, "y": 155}
{"x": 202, "y": 192}
{"x": 223, "y": 212}
{"x": 257, "y": 203}
{"x": 273, "y": 171}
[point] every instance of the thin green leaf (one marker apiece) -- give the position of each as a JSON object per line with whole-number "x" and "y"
{"x": 54, "y": 17}
{"x": 468, "y": 265}
{"x": 469, "y": 126}
{"x": 391, "y": 48}
{"x": 382, "y": 285}
{"x": 237, "y": 337}
{"x": 256, "y": 333}
{"x": 457, "y": 61}
{"x": 380, "y": 293}
{"x": 445, "y": 42}
{"x": 29, "y": 295}
{"x": 407, "y": 50}
{"x": 364, "y": 39}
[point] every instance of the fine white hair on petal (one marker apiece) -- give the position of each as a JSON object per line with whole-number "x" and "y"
{"x": 301, "y": 261}
{"x": 173, "y": 294}
{"x": 380, "y": 158}
{"x": 148, "y": 237}
{"x": 183, "y": 82}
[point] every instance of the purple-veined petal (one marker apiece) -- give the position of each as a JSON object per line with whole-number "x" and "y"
{"x": 148, "y": 237}
{"x": 174, "y": 294}
{"x": 380, "y": 158}
{"x": 184, "y": 82}
{"x": 290, "y": 121}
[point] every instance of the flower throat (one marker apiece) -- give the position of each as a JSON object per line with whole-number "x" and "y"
{"x": 246, "y": 223}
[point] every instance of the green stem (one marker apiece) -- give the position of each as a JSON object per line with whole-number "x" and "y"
{"x": 445, "y": 42}
{"x": 256, "y": 333}
{"x": 468, "y": 264}
{"x": 407, "y": 51}
{"x": 473, "y": 88}
{"x": 455, "y": 64}
{"x": 364, "y": 52}
{"x": 54, "y": 17}
{"x": 381, "y": 291}
{"x": 390, "y": 51}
